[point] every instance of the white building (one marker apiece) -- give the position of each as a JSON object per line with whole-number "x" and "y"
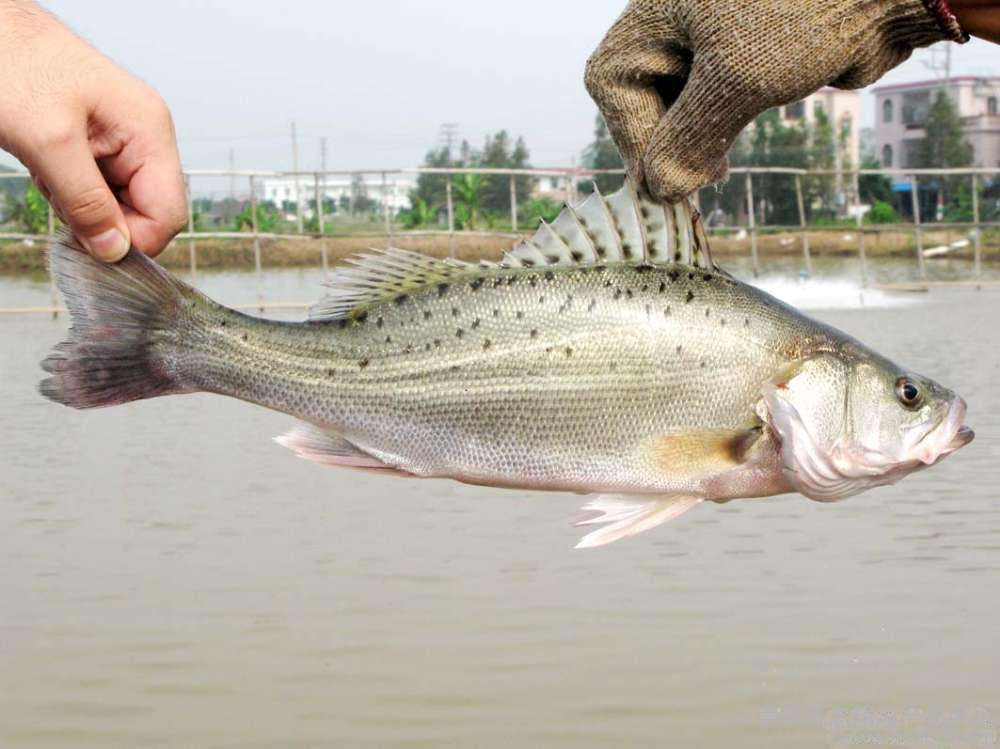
{"x": 843, "y": 108}
{"x": 278, "y": 190}
{"x": 901, "y": 111}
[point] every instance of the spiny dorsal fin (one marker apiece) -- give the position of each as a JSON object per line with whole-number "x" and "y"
{"x": 622, "y": 227}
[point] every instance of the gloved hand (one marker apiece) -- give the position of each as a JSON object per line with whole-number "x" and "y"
{"x": 677, "y": 80}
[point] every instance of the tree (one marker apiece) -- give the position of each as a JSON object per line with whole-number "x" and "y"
{"x": 602, "y": 153}
{"x": 32, "y": 211}
{"x": 468, "y": 190}
{"x": 945, "y": 146}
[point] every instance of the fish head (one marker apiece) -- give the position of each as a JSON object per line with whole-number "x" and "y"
{"x": 849, "y": 420}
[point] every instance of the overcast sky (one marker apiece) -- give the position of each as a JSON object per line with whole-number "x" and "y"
{"x": 377, "y": 78}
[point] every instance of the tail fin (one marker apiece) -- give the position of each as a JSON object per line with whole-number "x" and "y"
{"x": 122, "y": 317}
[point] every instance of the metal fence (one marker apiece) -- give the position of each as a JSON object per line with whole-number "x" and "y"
{"x": 385, "y": 182}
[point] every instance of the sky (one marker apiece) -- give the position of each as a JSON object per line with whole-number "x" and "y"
{"x": 376, "y": 78}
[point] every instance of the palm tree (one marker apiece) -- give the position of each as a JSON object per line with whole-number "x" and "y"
{"x": 469, "y": 189}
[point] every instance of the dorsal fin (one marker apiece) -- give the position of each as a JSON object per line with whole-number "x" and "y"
{"x": 622, "y": 227}
{"x": 380, "y": 275}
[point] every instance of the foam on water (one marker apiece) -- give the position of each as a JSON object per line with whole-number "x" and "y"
{"x": 830, "y": 293}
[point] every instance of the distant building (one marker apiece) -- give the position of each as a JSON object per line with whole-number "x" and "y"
{"x": 280, "y": 190}
{"x": 901, "y": 111}
{"x": 843, "y": 108}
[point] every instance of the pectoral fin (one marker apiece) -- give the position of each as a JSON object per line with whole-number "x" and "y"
{"x": 329, "y": 448}
{"x": 703, "y": 453}
{"x": 629, "y": 514}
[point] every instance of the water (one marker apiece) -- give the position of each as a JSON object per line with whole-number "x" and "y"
{"x": 171, "y": 577}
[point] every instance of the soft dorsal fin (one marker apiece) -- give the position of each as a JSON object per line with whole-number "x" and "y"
{"x": 380, "y": 275}
{"x": 623, "y": 227}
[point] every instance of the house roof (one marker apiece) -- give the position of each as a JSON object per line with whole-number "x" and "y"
{"x": 935, "y": 83}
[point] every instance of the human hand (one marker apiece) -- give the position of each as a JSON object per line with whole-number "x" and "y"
{"x": 979, "y": 17}
{"x": 677, "y": 80}
{"x": 99, "y": 143}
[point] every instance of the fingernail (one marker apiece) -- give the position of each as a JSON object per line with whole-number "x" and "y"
{"x": 109, "y": 246}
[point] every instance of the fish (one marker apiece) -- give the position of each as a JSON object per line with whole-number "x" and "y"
{"x": 608, "y": 355}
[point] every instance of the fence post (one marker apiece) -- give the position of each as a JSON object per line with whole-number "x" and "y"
{"x": 917, "y": 231}
{"x": 800, "y": 201}
{"x": 862, "y": 255}
{"x": 752, "y": 219}
{"x": 192, "y": 252}
{"x": 51, "y": 225}
{"x": 385, "y": 209}
{"x": 513, "y": 203}
{"x": 451, "y": 218}
{"x": 320, "y": 197}
{"x": 256, "y": 242}
{"x": 978, "y": 246}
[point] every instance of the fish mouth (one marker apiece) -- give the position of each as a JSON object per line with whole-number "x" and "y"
{"x": 962, "y": 437}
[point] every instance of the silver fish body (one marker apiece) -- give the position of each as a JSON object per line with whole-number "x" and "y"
{"x": 657, "y": 382}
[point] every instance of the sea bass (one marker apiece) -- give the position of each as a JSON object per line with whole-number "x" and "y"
{"x": 608, "y": 355}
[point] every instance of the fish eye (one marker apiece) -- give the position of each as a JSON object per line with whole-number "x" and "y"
{"x": 909, "y": 393}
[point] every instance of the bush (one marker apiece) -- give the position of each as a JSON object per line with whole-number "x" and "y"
{"x": 882, "y": 213}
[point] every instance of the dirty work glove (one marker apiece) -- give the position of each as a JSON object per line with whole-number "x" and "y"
{"x": 677, "y": 80}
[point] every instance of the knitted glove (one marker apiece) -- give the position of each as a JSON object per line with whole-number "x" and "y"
{"x": 677, "y": 80}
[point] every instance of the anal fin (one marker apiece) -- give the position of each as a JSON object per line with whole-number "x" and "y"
{"x": 329, "y": 448}
{"x": 625, "y": 515}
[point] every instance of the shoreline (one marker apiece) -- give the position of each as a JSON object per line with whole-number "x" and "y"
{"x": 213, "y": 253}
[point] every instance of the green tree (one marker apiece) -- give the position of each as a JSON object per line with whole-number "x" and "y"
{"x": 32, "y": 211}
{"x": 468, "y": 189}
{"x": 944, "y": 146}
{"x": 602, "y": 153}
{"x": 419, "y": 214}
{"x": 268, "y": 217}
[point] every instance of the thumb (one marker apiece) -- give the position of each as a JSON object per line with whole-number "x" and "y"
{"x": 83, "y": 198}
{"x": 689, "y": 145}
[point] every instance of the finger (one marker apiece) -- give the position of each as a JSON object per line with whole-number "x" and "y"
{"x": 634, "y": 76}
{"x": 82, "y": 197}
{"x": 156, "y": 201}
{"x": 688, "y": 147}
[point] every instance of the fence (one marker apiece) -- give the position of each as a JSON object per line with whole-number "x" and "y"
{"x": 386, "y": 184}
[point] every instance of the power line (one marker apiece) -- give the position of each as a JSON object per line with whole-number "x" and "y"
{"x": 449, "y": 135}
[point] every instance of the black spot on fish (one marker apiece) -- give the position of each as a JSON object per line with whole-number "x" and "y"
{"x": 533, "y": 280}
{"x": 459, "y": 333}
{"x": 568, "y": 351}
{"x": 644, "y": 268}
{"x": 706, "y": 311}
{"x": 644, "y": 211}
{"x": 454, "y": 311}
{"x": 244, "y": 336}
{"x": 707, "y": 277}
{"x": 690, "y": 297}
{"x": 550, "y": 276}
{"x": 408, "y": 349}
{"x": 388, "y": 339}
{"x": 541, "y": 300}
{"x": 628, "y": 293}
{"x": 379, "y": 323}
{"x": 437, "y": 343}
{"x": 677, "y": 256}
{"x": 401, "y": 299}
{"x": 427, "y": 314}
{"x": 601, "y": 252}
{"x": 600, "y": 268}
{"x": 511, "y": 280}
{"x": 486, "y": 344}
{"x": 690, "y": 276}
{"x": 363, "y": 363}
{"x": 496, "y": 313}
{"x": 553, "y": 259}
{"x": 702, "y": 365}
{"x": 626, "y": 248}
{"x": 427, "y": 347}
{"x": 612, "y": 366}
{"x": 746, "y": 322}
{"x": 666, "y": 311}
{"x": 618, "y": 293}
{"x": 442, "y": 289}
{"x": 673, "y": 275}
{"x": 475, "y": 323}
{"x": 649, "y": 310}
{"x": 723, "y": 321}
{"x": 222, "y": 323}
{"x": 679, "y": 349}
{"x": 361, "y": 317}
{"x": 576, "y": 255}
{"x": 607, "y": 284}
{"x": 592, "y": 306}
{"x": 520, "y": 314}
{"x": 476, "y": 284}
{"x": 534, "y": 333}
{"x": 331, "y": 372}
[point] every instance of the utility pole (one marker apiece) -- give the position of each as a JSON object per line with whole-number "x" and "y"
{"x": 449, "y": 136}
{"x": 232, "y": 176}
{"x": 298, "y": 186}
{"x": 322, "y": 167}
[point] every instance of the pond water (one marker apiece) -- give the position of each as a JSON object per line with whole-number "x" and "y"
{"x": 171, "y": 577}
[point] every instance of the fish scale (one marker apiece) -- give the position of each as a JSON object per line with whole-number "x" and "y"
{"x": 607, "y": 354}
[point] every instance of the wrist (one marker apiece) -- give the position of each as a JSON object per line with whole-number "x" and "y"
{"x": 919, "y": 23}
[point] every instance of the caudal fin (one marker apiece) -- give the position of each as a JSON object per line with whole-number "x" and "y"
{"x": 123, "y": 319}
